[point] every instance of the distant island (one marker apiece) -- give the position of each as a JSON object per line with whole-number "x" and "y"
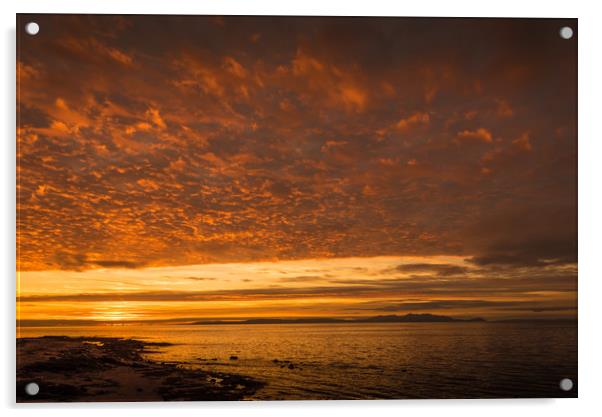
{"x": 408, "y": 318}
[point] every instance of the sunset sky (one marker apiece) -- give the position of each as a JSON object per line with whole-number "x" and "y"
{"x": 234, "y": 167}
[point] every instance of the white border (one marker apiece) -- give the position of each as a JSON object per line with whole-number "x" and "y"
{"x": 590, "y": 202}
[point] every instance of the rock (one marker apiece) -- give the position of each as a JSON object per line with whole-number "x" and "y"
{"x": 291, "y": 366}
{"x": 94, "y": 364}
{"x": 233, "y": 357}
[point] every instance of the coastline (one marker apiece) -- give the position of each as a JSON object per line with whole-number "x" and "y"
{"x": 106, "y": 369}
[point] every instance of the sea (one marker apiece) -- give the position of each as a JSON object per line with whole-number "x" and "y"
{"x": 368, "y": 360}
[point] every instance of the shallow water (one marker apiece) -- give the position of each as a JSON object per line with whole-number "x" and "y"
{"x": 362, "y": 361}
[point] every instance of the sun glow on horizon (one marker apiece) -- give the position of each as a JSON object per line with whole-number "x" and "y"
{"x": 341, "y": 287}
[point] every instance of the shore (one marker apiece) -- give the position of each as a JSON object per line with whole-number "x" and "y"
{"x": 111, "y": 369}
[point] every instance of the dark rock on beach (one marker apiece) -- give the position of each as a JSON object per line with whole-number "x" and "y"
{"x": 111, "y": 369}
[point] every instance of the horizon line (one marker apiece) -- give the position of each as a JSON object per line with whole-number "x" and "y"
{"x": 378, "y": 319}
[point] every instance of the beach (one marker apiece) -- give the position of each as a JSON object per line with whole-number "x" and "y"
{"x": 80, "y": 369}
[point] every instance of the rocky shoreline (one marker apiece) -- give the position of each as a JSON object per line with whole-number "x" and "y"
{"x": 81, "y": 369}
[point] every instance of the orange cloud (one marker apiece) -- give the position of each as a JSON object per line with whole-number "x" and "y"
{"x": 523, "y": 142}
{"x": 287, "y": 147}
{"x": 155, "y": 117}
{"x": 234, "y": 67}
{"x": 148, "y": 185}
{"x": 479, "y": 135}
{"x": 418, "y": 118}
{"x": 353, "y": 97}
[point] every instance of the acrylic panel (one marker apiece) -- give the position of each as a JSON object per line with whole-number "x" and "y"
{"x": 307, "y": 208}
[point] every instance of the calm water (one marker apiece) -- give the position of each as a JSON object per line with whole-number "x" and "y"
{"x": 361, "y": 361}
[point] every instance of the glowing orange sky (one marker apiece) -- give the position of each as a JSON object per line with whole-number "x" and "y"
{"x": 207, "y": 166}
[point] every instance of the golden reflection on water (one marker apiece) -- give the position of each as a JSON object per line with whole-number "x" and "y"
{"x": 114, "y": 311}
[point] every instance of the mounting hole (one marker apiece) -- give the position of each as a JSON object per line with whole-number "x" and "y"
{"x": 32, "y": 28}
{"x": 566, "y": 32}
{"x": 32, "y": 389}
{"x": 566, "y": 384}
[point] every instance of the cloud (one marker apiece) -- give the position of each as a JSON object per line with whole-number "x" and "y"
{"x": 353, "y": 97}
{"x": 234, "y": 67}
{"x": 117, "y": 264}
{"x": 416, "y": 119}
{"x": 201, "y": 278}
{"x": 523, "y": 142}
{"x": 93, "y": 49}
{"x": 291, "y": 146}
{"x": 504, "y": 109}
{"x": 78, "y": 261}
{"x": 148, "y": 185}
{"x": 519, "y": 237}
{"x": 155, "y": 117}
{"x": 439, "y": 269}
{"x": 303, "y": 278}
{"x": 479, "y": 135}
{"x": 33, "y": 116}
{"x": 500, "y": 284}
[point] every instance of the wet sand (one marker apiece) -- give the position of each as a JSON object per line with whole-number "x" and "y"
{"x": 112, "y": 369}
